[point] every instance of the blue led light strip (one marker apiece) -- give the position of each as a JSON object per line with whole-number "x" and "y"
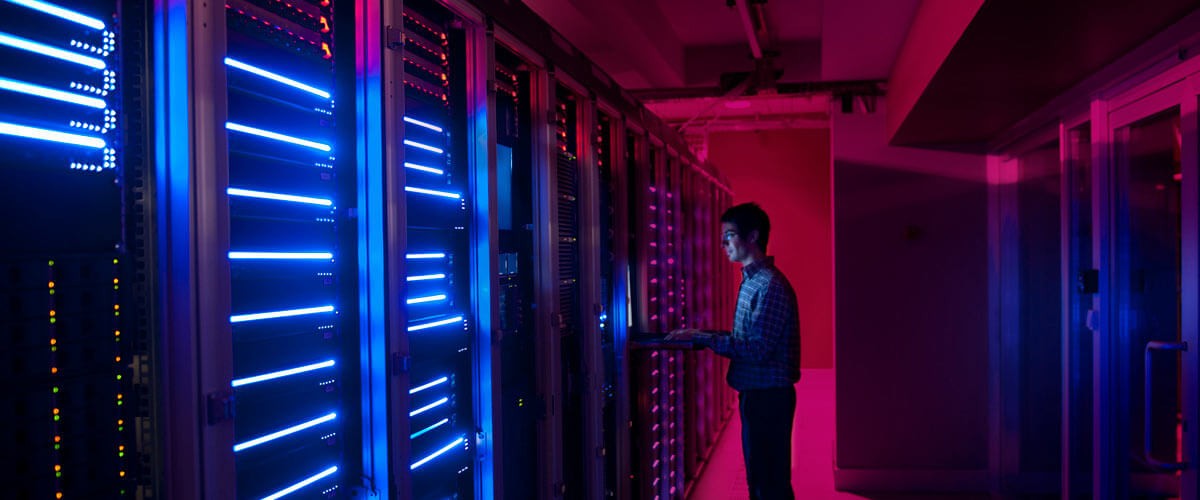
{"x": 50, "y": 135}
{"x": 426, "y": 277}
{"x": 285, "y": 432}
{"x": 49, "y": 93}
{"x": 428, "y": 407}
{"x": 443, "y": 322}
{"x": 61, "y": 13}
{"x": 46, "y": 50}
{"x": 422, "y": 432}
{"x": 443, "y": 194}
{"x": 234, "y": 63}
{"x": 423, "y": 300}
{"x": 281, "y": 373}
{"x": 238, "y": 318}
{"x": 420, "y": 123}
{"x": 436, "y": 454}
{"x": 279, "y": 197}
{"x": 422, "y": 256}
{"x": 435, "y": 383}
{"x": 281, "y": 255}
{"x": 237, "y": 127}
{"x": 291, "y": 489}
{"x": 426, "y": 147}
{"x": 423, "y": 168}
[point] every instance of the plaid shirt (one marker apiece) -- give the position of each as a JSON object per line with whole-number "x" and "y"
{"x": 764, "y": 348}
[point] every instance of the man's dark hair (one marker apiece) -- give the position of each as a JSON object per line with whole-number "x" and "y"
{"x": 749, "y": 217}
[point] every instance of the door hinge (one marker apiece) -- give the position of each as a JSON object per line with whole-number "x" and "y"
{"x": 400, "y": 363}
{"x": 394, "y": 38}
{"x": 220, "y": 406}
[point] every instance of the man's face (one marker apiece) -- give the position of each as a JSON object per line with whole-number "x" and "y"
{"x": 735, "y": 248}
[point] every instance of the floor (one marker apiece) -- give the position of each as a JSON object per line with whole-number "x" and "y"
{"x": 724, "y": 477}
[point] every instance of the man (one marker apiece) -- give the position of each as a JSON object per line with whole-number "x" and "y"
{"x": 764, "y": 352}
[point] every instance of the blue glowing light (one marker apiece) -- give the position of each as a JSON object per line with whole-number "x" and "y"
{"x": 422, "y": 432}
{"x": 279, "y": 197}
{"x": 423, "y": 256}
{"x": 281, "y": 373}
{"x": 436, "y": 454}
{"x": 426, "y": 147}
{"x": 285, "y": 432}
{"x": 46, "y": 50}
{"x": 50, "y": 135}
{"x": 234, "y": 63}
{"x": 237, "y": 127}
{"x": 423, "y": 168}
{"x": 61, "y": 13}
{"x": 428, "y": 407}
{"x": 420, "y": 123}
{"x": 443, "y": 194}
{"x": 423, "y": 300}
{"x": 426, "y": 277}
{"x": 49, "y": 93}
{"x": 435, "y": 383}
{"x": 238, "y": 318}
{"x": 281, "y": 255}
{"x": 291, "y": 489}
{"x": 434, "y": 324}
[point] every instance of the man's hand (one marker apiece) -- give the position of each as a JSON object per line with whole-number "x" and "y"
{"x": 685, "y": 334}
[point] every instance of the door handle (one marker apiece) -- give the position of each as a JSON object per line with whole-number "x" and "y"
{"x": 1156, "y": 345}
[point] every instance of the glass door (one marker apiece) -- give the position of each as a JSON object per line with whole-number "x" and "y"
{"x": 1144, "y": 401}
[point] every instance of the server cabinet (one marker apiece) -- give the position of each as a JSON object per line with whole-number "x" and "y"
{"x": 290, "y": 185}
{"x": 522, "y": 406}
{"x": 440, "y": 330}
{"x": 78, "y": 421}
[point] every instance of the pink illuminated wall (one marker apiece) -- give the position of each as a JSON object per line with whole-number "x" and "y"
{"x": 787, "y": 173}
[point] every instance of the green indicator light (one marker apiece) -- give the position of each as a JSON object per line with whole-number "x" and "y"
{"x": 57, "y": 474}
{"x": 120, "y": 428}
{"x": 55, "y": 390}
{"x": 114, "y": 261}
{"x": 57, "y": 417}
{"x": 53, "y": 320}
{"x": 118, "y": 377}
{"x": 53, "y": 348}
{"x": 52, "y": 263}
{"x": 121, "y": 454}
{"x": 116, "y": 313}
{"x": 51, "y": 292}
{"x": 119, "y": 403}
{"x": 58, "y": 447}
{"x": 114, "y": 287}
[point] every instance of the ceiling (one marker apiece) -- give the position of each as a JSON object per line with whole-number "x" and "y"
{"x": 680, "y": 49}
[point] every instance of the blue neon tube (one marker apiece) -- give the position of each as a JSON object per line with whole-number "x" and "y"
{"x": 50, "y": 135}
{"x": 237, "y": 127}
{"x": 435, "y": 383}
{"x": 423, "y": 256}
{"x": 239, "y": 318}
{"x": 426, "y": 277}
{"x": 279, "y": 197}
{"x": 420, "y": 123}
{"x": 423, "y": 168}
{"x": 275, "y": 77}
{"x": 426, "y": 147}
{"x": 443, "y": 322}
{"x": 281, "y": 373}
{"x": 46, "y": 50}
{"x": 443, "y": 194}
{"x": 49, "y": 93}
{"x": 284, "y": 432}
{"x": 428, "y": 407}
{"x": 423, "y": 300}
{"x": 281, "y": 255}
{"x": 436, "y": 454}
{"x": 61, "y": 13}
{"x": 422, "y": 432}
{"x": 291, "y": 489}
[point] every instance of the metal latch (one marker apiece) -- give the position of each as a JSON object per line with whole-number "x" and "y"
{"x": 394, "y": 38}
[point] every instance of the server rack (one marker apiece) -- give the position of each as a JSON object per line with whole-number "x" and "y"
{"x": 522, "y": 406}
{"x": 76, "y": 259}
{"x": 295, "y": 400}
{"x": 440, "y": 331}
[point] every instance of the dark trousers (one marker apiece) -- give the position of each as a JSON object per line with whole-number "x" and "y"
{"x": 767, "y": 441}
